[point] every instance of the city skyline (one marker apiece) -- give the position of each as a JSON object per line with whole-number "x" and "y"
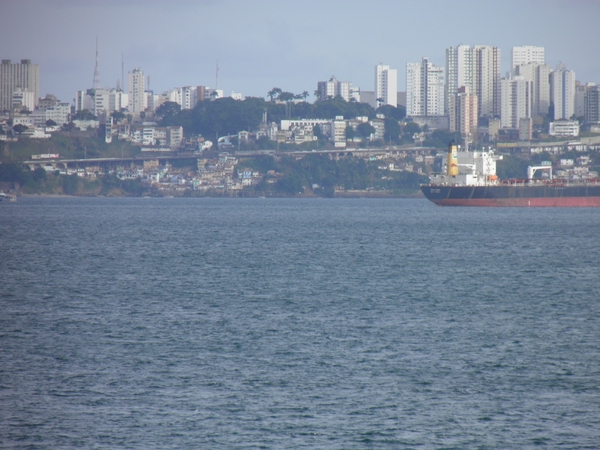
{"x": 291, "y": 45}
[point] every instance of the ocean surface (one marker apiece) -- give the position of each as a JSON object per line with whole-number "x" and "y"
{"x": 297, "y": 323}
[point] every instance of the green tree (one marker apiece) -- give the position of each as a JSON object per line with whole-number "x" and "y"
{"x": 39, "y": 174}
{"x": 20, "y": 128}
{"x": 392, "y": 112}
{"x": 167, "y": 111}
{"x": 84, "y": 114}
{"x": 50, "y": 123}
{"x": 411, "y": 128}
{"x": 350, "y": 133}
{"x": 392, "y": 130}
{"x": 118, "y": 116}
{"x": 70, "y": 184}
{"x": 365, "y": 129}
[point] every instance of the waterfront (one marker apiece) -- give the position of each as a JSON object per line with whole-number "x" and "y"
{"x": 297, "y": 323}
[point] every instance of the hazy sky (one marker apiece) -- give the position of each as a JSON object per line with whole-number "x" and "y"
{"x": 291, "y": 44}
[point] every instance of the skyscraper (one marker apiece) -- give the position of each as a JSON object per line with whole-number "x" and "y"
{"x": 136, "y": 92}
{"x": 486, "y": 65}
{"x": 386, "y": 86}
{"x": 478, "y": 69}
{"x": 424, "y": 89}
{"x": 25, "y": 76}
{"x": 562, "y": 92}
{"x": 527, "y": 54}
{"x": 516, "y": 101}
{"x": 539, "y": 74}
{"x": 592, "y": 105}
{"x": 459, "y": 71}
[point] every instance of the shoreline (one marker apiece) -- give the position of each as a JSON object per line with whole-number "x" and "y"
{"x": 338, "y": 195}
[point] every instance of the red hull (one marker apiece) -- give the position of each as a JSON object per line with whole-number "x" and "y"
{"x": 533, "y": 202}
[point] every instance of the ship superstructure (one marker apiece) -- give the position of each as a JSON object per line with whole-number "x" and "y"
{"x": 465, "y": 168}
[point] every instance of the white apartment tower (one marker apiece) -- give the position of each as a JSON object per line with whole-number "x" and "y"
{"x": 562, "y": 92}
{"x": 424, "y": 89}
{"x": 136, "y": 92}
{"x": 527, "y": 54}
{"x": 539, "y": 75}
{"x": 516, "y": 101}
{"x": 478, "y": 69}
{"x": 459, "y": 70}
{"x": 25, "y": 76}
{"x": 486, "y": 65}
{"x": 386, "y": 86}
{"x": 333, "y": 88}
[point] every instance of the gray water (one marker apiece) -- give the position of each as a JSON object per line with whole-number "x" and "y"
{"x": 317, "y": 323}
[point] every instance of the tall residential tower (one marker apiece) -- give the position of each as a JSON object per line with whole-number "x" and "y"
{"x": 424, "y": 89}
{"x": 25, "y": 76}
{"x": 478, "y": 69}
{"x": 386, "y": 86}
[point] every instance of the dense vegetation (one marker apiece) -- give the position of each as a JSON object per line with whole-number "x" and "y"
{"x": 75, "y": 145}
{"x": 41, "y": 182}
{"x": 226, "y": 116}
{"x": 321, "y": 175}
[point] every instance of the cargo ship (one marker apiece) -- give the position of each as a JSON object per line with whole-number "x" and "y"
{"x": 469, "y": 179}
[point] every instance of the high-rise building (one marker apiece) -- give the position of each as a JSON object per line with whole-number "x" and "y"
{"x": 137, "y": 95}
{"x": 527, "y": 54}
{"x": 592, "y": 105}
{"x": 478, "y": 69}
{"x": 459, "y": 70}
{"x": 539, "y": 75}
{"x": 562, "y": 92}
{"x": 463, "y": 112}
{"x": 386, "y": 86}
{"x": 25, "y": 76}
{"x": 486, "y": 65}
{"x": 333, "y": 88}
{"x": 424, "y": 89}
{"x": 516, "y": 101}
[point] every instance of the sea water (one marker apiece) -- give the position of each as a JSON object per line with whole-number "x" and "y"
{"x": 297, "y": 323}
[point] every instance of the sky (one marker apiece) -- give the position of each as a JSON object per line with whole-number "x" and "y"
{"x": 290, "y": 44}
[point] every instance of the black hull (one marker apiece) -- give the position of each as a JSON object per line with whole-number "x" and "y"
{"x": 514, "y": 195}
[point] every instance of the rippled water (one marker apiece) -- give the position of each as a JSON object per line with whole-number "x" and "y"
{"x": 321, "y": 323}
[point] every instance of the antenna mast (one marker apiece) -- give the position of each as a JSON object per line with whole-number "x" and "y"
{"x": 96, "y": 83}
{"x": 217, "y": 80}
{"x": 122, "y": 72}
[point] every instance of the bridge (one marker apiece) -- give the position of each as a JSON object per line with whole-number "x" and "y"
{"x": 63, "y": 164}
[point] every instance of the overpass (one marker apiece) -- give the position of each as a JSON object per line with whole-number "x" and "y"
{"x": 63, "y": 164}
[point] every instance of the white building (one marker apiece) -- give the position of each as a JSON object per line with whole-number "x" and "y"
{"x": 59, "y": 113}
{"x": 12, "y": 76}
{"x": 338, "y": 132}
{"x": 478, "y": 69}
{"x": 137, "y": 94}
{"x": 459, "y": 70}
{"x": 527, "y": 54}
{"x": 23, "y": 99}
{"x": 486, "y": 64}
{"x": 516, "y": 101}
{"x": 386, "y": 86}
{"x": 101, "y": 102}
{"x": 333, "y": 88}
{"x": 424, "y": 89}
{"x": 562, "y": 92}
{"x": 539, "y": 75}
{"x": 564, "y": 128}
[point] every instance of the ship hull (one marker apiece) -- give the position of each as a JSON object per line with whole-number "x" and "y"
{"x": 512, "y": 195}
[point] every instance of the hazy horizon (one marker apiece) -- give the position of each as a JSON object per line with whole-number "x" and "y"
{"x": 291, "y": 45}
